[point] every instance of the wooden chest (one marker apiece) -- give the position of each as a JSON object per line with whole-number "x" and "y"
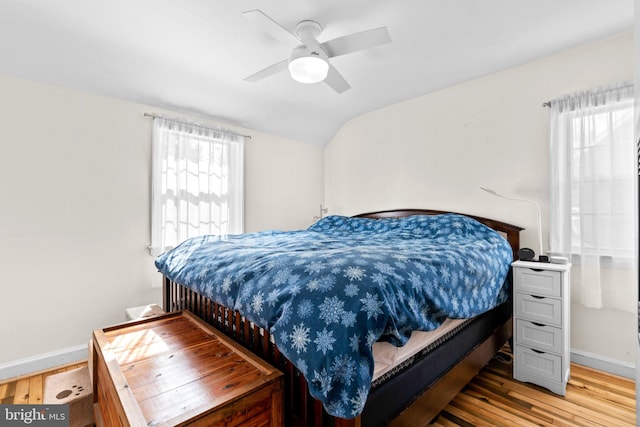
{"x": 176, "y": 370}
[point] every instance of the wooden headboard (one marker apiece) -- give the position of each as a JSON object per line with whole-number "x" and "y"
{"x": 510, "y": 232}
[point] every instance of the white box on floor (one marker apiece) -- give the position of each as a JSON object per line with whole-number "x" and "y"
{"x": 143, "y": 311}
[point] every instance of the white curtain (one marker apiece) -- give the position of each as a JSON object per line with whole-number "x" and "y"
{"x": 593, "y": 185}
{"x": 197, "y": 183}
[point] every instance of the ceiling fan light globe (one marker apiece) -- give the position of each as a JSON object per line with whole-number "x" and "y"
{"x": 308, "y": 69}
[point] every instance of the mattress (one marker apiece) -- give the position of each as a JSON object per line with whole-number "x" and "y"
{"x": 426, "y": 363}
{"x": 387, "y": 357}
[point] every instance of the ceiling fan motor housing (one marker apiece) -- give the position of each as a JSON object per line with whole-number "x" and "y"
{"x": 308, "y": 31}
{"x": 308, "y": 63}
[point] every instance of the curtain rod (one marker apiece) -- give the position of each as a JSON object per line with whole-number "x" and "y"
{"x": 619, "y": 86}
{"x": 158, "y": 116}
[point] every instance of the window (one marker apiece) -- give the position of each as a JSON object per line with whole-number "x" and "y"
{"x": 602, "y": 167}
{"x": 197, "y": 183}
{"x": 593, "y": 200}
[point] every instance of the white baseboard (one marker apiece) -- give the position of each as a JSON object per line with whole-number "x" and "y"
{"x": 43, "y": 361}
{"x": 616, "y": 367}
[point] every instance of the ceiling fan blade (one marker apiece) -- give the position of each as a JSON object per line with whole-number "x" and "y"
{"x": 336, "y": 81}
{"x": 271, "y": 27}
{"x": 355, "y": 42}
{"x": 269, "y": 71}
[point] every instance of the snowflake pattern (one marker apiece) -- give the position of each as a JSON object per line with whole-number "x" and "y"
{"x": 324, "y": 341}
{"x": 351, "y": 290}
{"x": 226, "y": 285}
{"x": 329, "y": 292}
{"x": 299, "y": 338}
{"x": 358, "y": 401}
{"x": 256, "y": 303}
{"x": 354, "y": 273}
{"x": 348, "y": 319}
{"x": 322, "y": 380}
{"x": 371, "y": 305}
{"x": 344, "y": 369}
{"x": 305, "y": 309}
{"x": 331, "y": 310}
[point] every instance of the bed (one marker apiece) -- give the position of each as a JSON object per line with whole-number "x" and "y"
{"x": 233, "y": 284}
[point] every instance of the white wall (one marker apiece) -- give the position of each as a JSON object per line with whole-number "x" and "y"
{"x": 436, "y": 150}
{"x": 284, "y": 186}
{"x": 74, "y": 210}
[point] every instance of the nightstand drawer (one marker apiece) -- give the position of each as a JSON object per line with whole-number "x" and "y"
{"x": 538, "y": 282}
{"x": 543, "y": 365}
{"x": 538, "y": 309}
{"x": 540, "y": 337}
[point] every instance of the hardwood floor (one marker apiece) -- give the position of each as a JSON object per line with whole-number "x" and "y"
{"x": 28, "y": 389}
{"x": 493, "y": 398}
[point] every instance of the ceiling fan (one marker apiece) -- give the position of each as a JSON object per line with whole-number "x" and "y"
{"x": 309, "y": 59}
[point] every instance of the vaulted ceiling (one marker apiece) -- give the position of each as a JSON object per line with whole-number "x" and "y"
{"x": 192, "y": 56}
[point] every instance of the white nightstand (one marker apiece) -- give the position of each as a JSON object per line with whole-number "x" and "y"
{"x": 541, "y": 324}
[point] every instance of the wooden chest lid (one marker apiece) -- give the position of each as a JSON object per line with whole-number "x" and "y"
{"x": 175, "y": 366}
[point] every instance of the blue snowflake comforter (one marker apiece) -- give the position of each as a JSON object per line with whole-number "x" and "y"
{"x": 328, "y": 293}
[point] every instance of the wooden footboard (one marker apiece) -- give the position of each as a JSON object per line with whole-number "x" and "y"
{"x": 301, "y": 410}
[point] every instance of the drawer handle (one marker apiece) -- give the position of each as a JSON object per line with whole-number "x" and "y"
{"x": 537, "y": 270}
{"x": 538, "y": 324}
{"x": 537, "y": 351}
{"x": 537, "y": 297}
